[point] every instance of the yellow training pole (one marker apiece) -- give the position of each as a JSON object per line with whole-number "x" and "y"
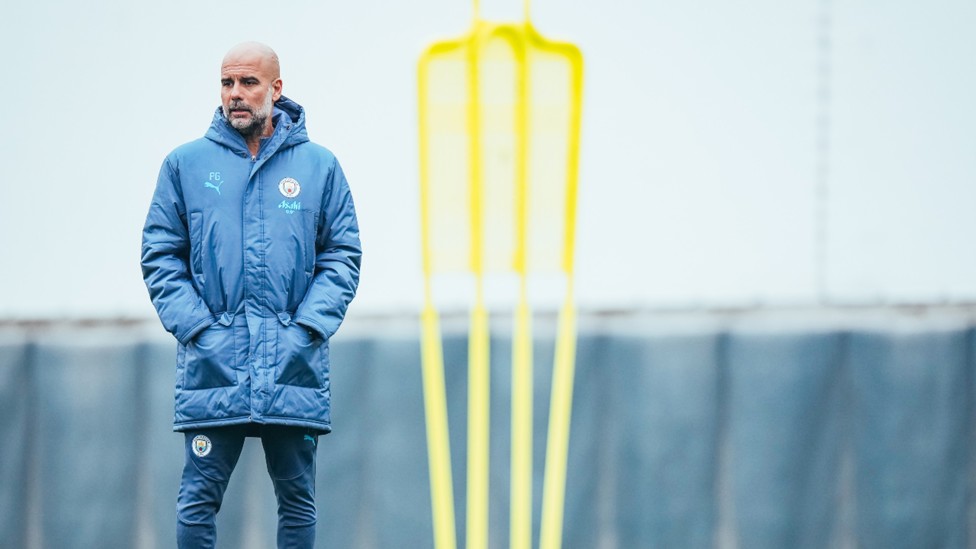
{"x": 432, "y": 358}
{"x": 520, "y": 505}
{"x": 521, "y": 475}
{"x": 479, "y": 382}
{"x": 479, "y": 374}
{"x": 560, "y": 411}
{"x": 564, "y": 363}
{"x": 438, "y": 447}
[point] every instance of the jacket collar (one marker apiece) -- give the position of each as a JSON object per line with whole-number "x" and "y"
{"x": 289, "y": 130}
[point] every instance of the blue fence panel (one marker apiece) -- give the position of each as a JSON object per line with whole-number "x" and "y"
{"x": 164, "y": 448}
{"x": 342, "y": 482}
{"x": 590, "y": 474}
{"x": 665, "y": 436}
{"x": 16, "y": 451}
{"x": 785, "y": 419}
{"x": 89, "y": 440}
{"x": 912, "y": 438}
{"x": 394, "y": 453}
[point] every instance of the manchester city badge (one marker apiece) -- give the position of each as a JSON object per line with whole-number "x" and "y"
{"x": 201, "y": 445}
{"x": 289, "y": 187}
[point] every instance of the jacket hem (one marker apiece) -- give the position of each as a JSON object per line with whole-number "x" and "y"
{"x": 222, "y": 422}
{"x": 320, "y": 426}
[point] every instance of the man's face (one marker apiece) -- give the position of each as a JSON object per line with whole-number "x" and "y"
{"x": 247, "y": 93}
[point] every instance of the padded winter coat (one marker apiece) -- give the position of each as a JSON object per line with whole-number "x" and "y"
{"x": 251, "y": 263}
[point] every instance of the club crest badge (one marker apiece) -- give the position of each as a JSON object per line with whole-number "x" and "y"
{"x": 289, "y": 187}
{"x": 201, "y": 445}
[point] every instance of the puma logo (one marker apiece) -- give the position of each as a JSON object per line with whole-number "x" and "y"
{"x": 210, "y": 185}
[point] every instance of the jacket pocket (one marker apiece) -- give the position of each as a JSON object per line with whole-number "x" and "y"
{"x": 299, "y": 357}
{"x": 210, "y": 359}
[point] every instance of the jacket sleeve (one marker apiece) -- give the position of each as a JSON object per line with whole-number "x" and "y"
{"x": 337, "y": 260}
{"x": 166, "y": 261}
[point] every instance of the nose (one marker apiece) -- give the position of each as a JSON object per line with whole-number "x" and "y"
{"x": 235, "y": 91}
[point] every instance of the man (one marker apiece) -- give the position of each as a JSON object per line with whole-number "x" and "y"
{"x": 251, "y": 255}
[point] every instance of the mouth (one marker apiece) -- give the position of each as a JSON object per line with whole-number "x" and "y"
{"x": 239, "y": 111}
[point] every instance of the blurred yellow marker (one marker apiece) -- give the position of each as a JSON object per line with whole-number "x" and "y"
{"x": 499, "y": 134}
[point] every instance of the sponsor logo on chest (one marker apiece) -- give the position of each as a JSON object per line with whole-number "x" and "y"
{"x": 290, "y": 206}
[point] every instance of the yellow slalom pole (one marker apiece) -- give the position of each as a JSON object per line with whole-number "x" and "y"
{"x": 479, "y": 375}
{"x": 438, "y": 446}
{"x": 479, "y": 383}
{"x": 564, "y": 363}
{"x": 560, "y": 412}
{"x": 521, "y": 468}
{"x": 520, "y": 505}
{"x": 432, "y": 358}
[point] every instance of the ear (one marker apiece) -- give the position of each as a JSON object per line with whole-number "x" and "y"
{"x": 276, "y": 89}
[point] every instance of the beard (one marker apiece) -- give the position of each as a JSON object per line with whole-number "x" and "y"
{"x": 255, "y": 125}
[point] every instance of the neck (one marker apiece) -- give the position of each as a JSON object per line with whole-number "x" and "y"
{"x": 254, "y": 140}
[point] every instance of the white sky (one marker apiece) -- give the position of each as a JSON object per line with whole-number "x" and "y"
{"x": 699, "y": 150}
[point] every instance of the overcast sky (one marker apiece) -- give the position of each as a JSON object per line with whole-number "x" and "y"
{"x": 707, "y": 128}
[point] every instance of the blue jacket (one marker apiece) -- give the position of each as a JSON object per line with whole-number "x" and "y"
{"x": 251, "y": 263}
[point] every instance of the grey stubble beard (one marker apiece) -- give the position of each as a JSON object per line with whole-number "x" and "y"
{"x": 255, "y": 126}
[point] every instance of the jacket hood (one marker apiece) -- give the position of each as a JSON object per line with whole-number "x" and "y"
{"x": 288, "y": 118}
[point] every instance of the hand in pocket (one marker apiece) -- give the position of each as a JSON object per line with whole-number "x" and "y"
{"x": 209, "y": 359}
{"x": 299, "y": 357}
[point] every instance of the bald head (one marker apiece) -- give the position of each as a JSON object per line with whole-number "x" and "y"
{"x": 254, "y": 54}
{"x": 250, "y": 83}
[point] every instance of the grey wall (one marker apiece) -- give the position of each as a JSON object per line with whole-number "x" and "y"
{"x": 719, "y": 435}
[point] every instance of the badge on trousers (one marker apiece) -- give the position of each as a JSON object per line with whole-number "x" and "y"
{"x": 201, "y": 445}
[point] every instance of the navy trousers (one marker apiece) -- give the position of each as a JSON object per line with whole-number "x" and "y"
{"x": 210, "y": 458}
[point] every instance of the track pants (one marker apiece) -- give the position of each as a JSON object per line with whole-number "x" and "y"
{"x": 210, "y": 458}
